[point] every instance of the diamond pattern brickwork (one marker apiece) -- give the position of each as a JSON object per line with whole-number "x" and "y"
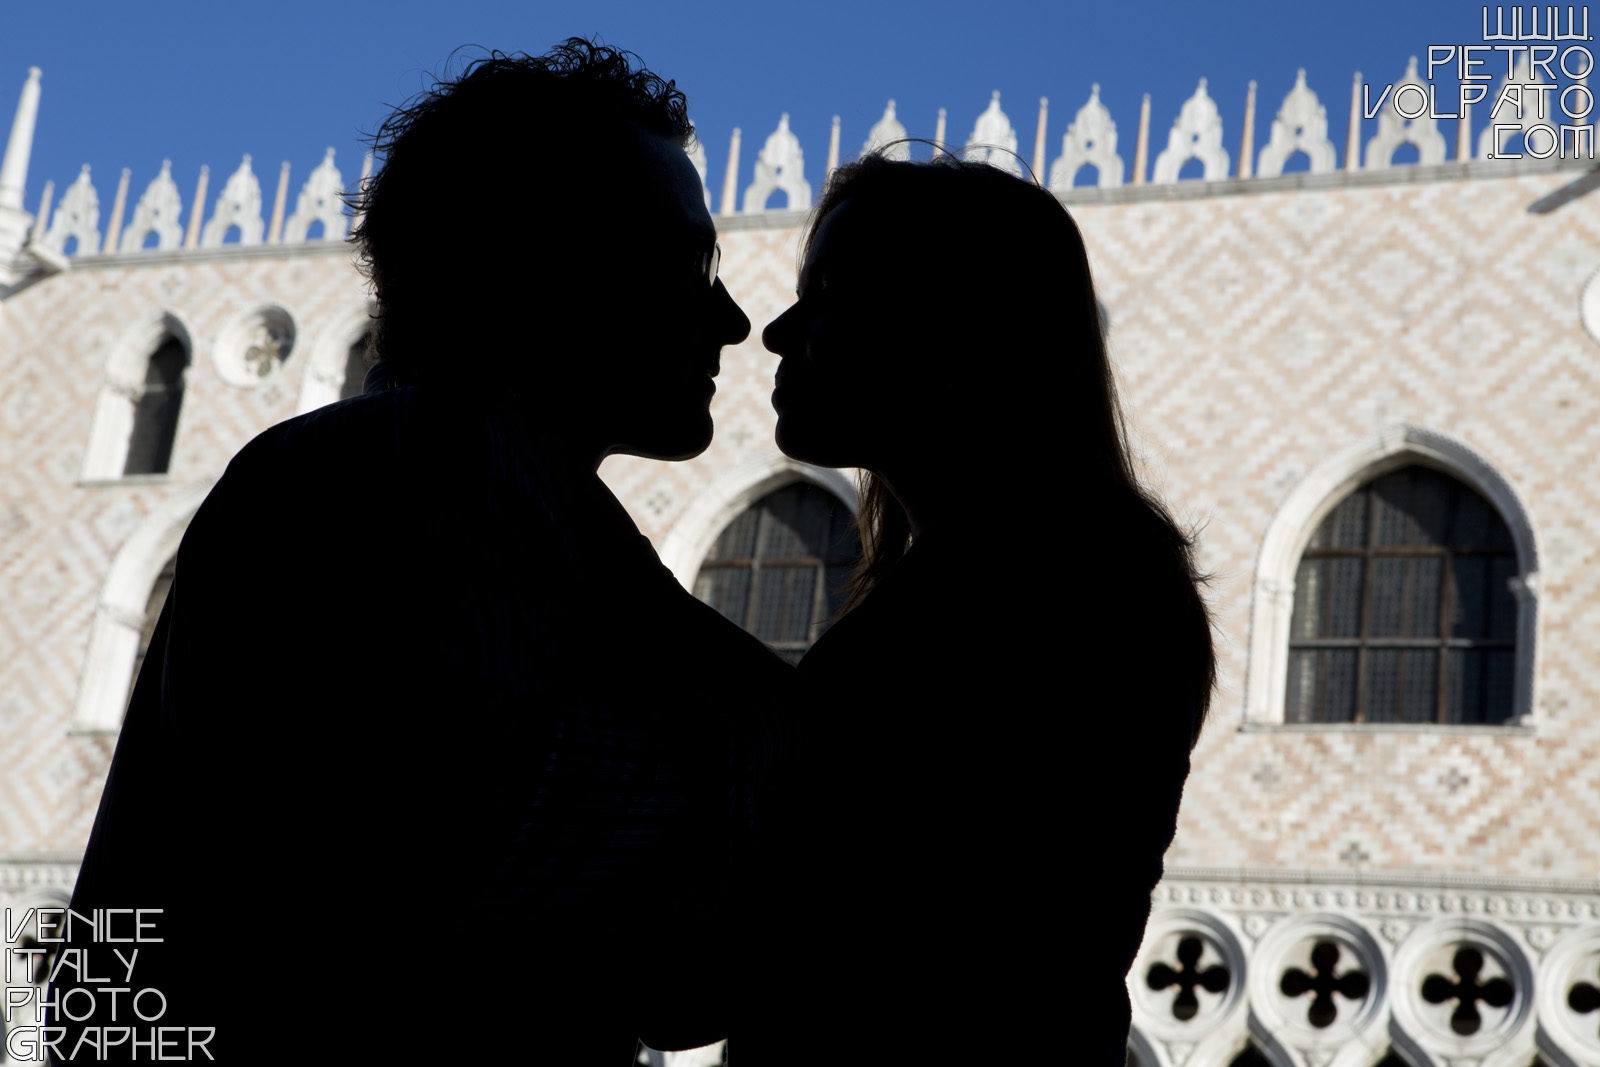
{"x": 1253, "y": 335}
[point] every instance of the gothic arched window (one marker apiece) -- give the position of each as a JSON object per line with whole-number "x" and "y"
{"x": 1403, "y": 608}
{"x": 152, "y": 613}
{"x": 355, "y": 368}
{"x": 155, "y": 410}
{"x": 779, "y": 569}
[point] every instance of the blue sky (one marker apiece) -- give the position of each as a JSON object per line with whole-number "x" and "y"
{"x": 126, "y": 85}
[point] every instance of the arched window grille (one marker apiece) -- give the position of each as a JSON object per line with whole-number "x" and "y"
{"x": 152, "y": 613}
{"x": 780, "y": 568}
{"x": 155, "y": 410}
{"x": 1403, "y": 608}
{"x": 355, "y": 368}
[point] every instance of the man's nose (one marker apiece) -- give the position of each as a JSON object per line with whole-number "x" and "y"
{"x": 734, "y": 324}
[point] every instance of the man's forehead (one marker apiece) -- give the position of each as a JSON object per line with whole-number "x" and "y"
{"x": 668, "y": 192}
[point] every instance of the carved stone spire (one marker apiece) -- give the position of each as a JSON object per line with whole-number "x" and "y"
{"x": 1394, "y": 129}
{"x": 1090, "y": 140}
{"x": 993, "y": 139}
{"x": 1196, "y": 135}
{"x": 44, "y": 212}
{"x": 938, "y": 132}
{"x": 19, "y": 146}
{"x": 14, "y": 174}
{"x": 1301, "y": 126}
{"x": 159, "y": 211}
{"x": 238, "y": 205}
{"x": 779, "y": 165}
{"x": 77, "y": 215}
{"x": 886, "y": 131}
{"x": 833, "y": 149}
{"x": 320, "y": 200}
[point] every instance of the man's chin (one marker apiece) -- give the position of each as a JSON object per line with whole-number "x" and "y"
{"x": 672, "y": 447}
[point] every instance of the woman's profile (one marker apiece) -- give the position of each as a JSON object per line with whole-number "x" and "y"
{"x": 1002, "y": 716}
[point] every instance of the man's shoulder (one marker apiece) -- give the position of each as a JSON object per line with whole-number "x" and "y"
{"x": 371, "y": 427}
{"x": 372, "y": 447}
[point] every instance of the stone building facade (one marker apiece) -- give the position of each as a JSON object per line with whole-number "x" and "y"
{"x": 1351, "y": 883}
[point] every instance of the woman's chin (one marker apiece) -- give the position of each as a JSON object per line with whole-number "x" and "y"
{"x": 803, "y": 440}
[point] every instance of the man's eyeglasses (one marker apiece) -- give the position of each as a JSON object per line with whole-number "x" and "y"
{"x": 710, "y": 262}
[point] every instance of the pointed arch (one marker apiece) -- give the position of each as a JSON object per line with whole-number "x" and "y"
{"x": 120, "y": 615}
{"x": 1316, "y": 496}
{"x": 140, "y": 405}
{"x": 729, "y": 494}
{"x": 327, "y": 375}
{"x": 1141, "y": 1052}
{"x": 780, "y": 569}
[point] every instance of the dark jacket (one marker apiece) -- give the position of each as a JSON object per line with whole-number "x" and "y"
{"x": 430, "y": 755}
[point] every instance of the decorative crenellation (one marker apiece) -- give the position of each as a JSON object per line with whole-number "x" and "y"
{"x": 1395, "y": 129}
{"x": 1197, "y": 134}
{"x": 993, "y": 139}
{"x": 885, "y": 136}
{"x": 159, "y": 212}
{"x": 238, "y": 205}
{"x": 779, "y": 166}
{"x": 77, "y": 218}
{"x": 321, "y": 200}
{"x": 1299, "y": 128}
{"x": 1090, "y": 140}
{"x": 1309, "y": 968}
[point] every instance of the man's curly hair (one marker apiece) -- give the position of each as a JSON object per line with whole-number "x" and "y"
{"x": 495, "y": 168}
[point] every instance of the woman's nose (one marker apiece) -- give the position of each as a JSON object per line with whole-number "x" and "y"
{"x": 777, "y": 334}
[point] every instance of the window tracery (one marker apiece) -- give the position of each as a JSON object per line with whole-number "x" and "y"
{"x": 779, "y": 569}
{"x": 1403, "y": 608}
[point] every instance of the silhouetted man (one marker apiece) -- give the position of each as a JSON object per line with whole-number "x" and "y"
{"x": 431, "y": 758}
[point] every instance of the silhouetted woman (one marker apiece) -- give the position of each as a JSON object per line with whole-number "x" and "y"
{"x": 1003, "y": 715}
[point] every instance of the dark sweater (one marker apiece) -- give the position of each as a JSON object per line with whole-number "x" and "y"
{"x": 987, "y": 777}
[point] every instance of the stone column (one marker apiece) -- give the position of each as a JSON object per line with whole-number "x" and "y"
{"x": 1247, "y": 145}
{"x": 1352, "y": 143}
{"x": 730, "y": 181}
{"x": 275, "y": 227}
{"x": 191, "y": 239}
{"x": 114, "y": 231}
{"x": 1038, "y": 143}
{"x": 1141, "y": 149}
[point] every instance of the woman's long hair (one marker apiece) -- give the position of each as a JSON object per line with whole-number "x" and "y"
{"x": 974, "y": 237}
